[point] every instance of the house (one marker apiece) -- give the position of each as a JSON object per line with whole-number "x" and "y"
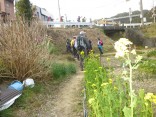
{"x": 7, "y": 10}
{"x": 42, "y": 14}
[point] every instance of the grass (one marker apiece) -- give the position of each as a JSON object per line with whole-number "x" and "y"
{"x": 59, "y": 70}
{"x": 30, "y": 99}
{"x": 27, "y": 100}
{"x": 148, "y": 66}
{"x": 151, "y": 53}
{"x": 149, "y": 31}
{"x": 7, "y": 113}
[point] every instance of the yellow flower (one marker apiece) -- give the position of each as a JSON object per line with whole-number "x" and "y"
{"x": 148, "y": 96}
{"x": 110, "y": 81}
{"x": 154, "y": 96}
{"x": 108, "y": 59}
{"x": 146, "y": 103}
{"x": 82, "y": 52}
{"x": 115, "y": 88}
{"x": 93, "y": 85}
{"x": 104, "y": 84}
{"x": 91, "y": 100}
{"x": 154, "y": 100}
{"x": 95, "y": 91}
{"x": 97, "y": 56}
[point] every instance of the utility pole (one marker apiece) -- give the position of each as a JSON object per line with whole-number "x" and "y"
{"x": 154, "y": 15}
{"x": 141, "y": 15}
{"x": 130, "y": 18}
{"x": 59, "y": 10}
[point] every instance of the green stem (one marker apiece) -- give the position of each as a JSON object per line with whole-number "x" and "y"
{"x": 131, "y": 89}
{"x": 110, "y": 108}
{"x": 130, "y": 83}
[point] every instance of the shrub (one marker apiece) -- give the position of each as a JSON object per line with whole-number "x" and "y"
{"x": 22, "y": 49}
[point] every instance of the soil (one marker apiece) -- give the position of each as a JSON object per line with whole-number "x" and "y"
{"x": 65, "y": 101}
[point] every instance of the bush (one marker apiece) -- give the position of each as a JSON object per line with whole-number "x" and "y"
{"x": 21, "y": 48}
{"x": 59, "y": 70}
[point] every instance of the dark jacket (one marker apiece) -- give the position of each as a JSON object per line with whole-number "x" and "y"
{"x": 82, "y": 41}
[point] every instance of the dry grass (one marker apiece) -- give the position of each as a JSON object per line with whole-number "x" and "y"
{"x": 22, "y": 50}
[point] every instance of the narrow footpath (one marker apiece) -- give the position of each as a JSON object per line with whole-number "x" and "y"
{"x": 68, "y": 100}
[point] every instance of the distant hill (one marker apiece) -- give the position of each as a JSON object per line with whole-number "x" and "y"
{"x": 147, "y": 14}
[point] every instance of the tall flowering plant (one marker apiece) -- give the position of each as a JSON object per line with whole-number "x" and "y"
{"x": 131, "y": 59}
{"x": 110, "y": 95}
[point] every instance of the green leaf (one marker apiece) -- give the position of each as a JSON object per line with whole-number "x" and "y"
{"x": 133, "y": 104}
{"x": 127, "y": 112}
{"x": 141, "y": 93}
{"x": 136, "y": 67}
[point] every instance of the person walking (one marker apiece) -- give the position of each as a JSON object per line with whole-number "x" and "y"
{"x": 82, "y": 47}
{"x": 74, "y": 45}
{"x": 90, "y": 46}
{"x": 68, "y": 46}
{"x": 100, "y": 45}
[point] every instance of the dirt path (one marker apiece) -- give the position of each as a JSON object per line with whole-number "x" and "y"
{"x": 67, "y": 102}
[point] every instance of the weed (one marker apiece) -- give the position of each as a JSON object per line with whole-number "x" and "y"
{"x": 7, "y": 113}
{"x": 59, "y": 70}
{"x": 151, "y": 53}
{"x": 148, "y": 66}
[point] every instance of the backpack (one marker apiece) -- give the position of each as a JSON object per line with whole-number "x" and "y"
{"x": 101, "y": 43}
{"x": 80, "y": 43}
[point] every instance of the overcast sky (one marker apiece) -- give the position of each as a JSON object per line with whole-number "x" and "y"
{"x": 93, "y": 9}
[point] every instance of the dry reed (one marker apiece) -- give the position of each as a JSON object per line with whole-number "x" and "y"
{"x": 22, "y": 50}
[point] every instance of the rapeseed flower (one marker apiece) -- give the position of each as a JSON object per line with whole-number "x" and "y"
{"x": 110, "y": 81}
{"x": 148, "y": 96}
{"x": 93, "y": 85}
{"x": 104, "y": 84}
{"x": 82, "y": 52}
{"x": 91, "y": 100}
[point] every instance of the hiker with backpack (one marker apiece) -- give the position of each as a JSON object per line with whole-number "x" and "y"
{"x": 100, "y": 45}
{"x": 73, "y": 41}
{"x": 82, "y": 47}
{"x": 68, "y": 46}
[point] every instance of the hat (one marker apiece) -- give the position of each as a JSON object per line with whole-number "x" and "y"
{"x": 82, "y": 32}
{"x": 74, "y": 37}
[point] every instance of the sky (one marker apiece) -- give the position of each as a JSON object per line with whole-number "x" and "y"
{"x": 90, "y": 9}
